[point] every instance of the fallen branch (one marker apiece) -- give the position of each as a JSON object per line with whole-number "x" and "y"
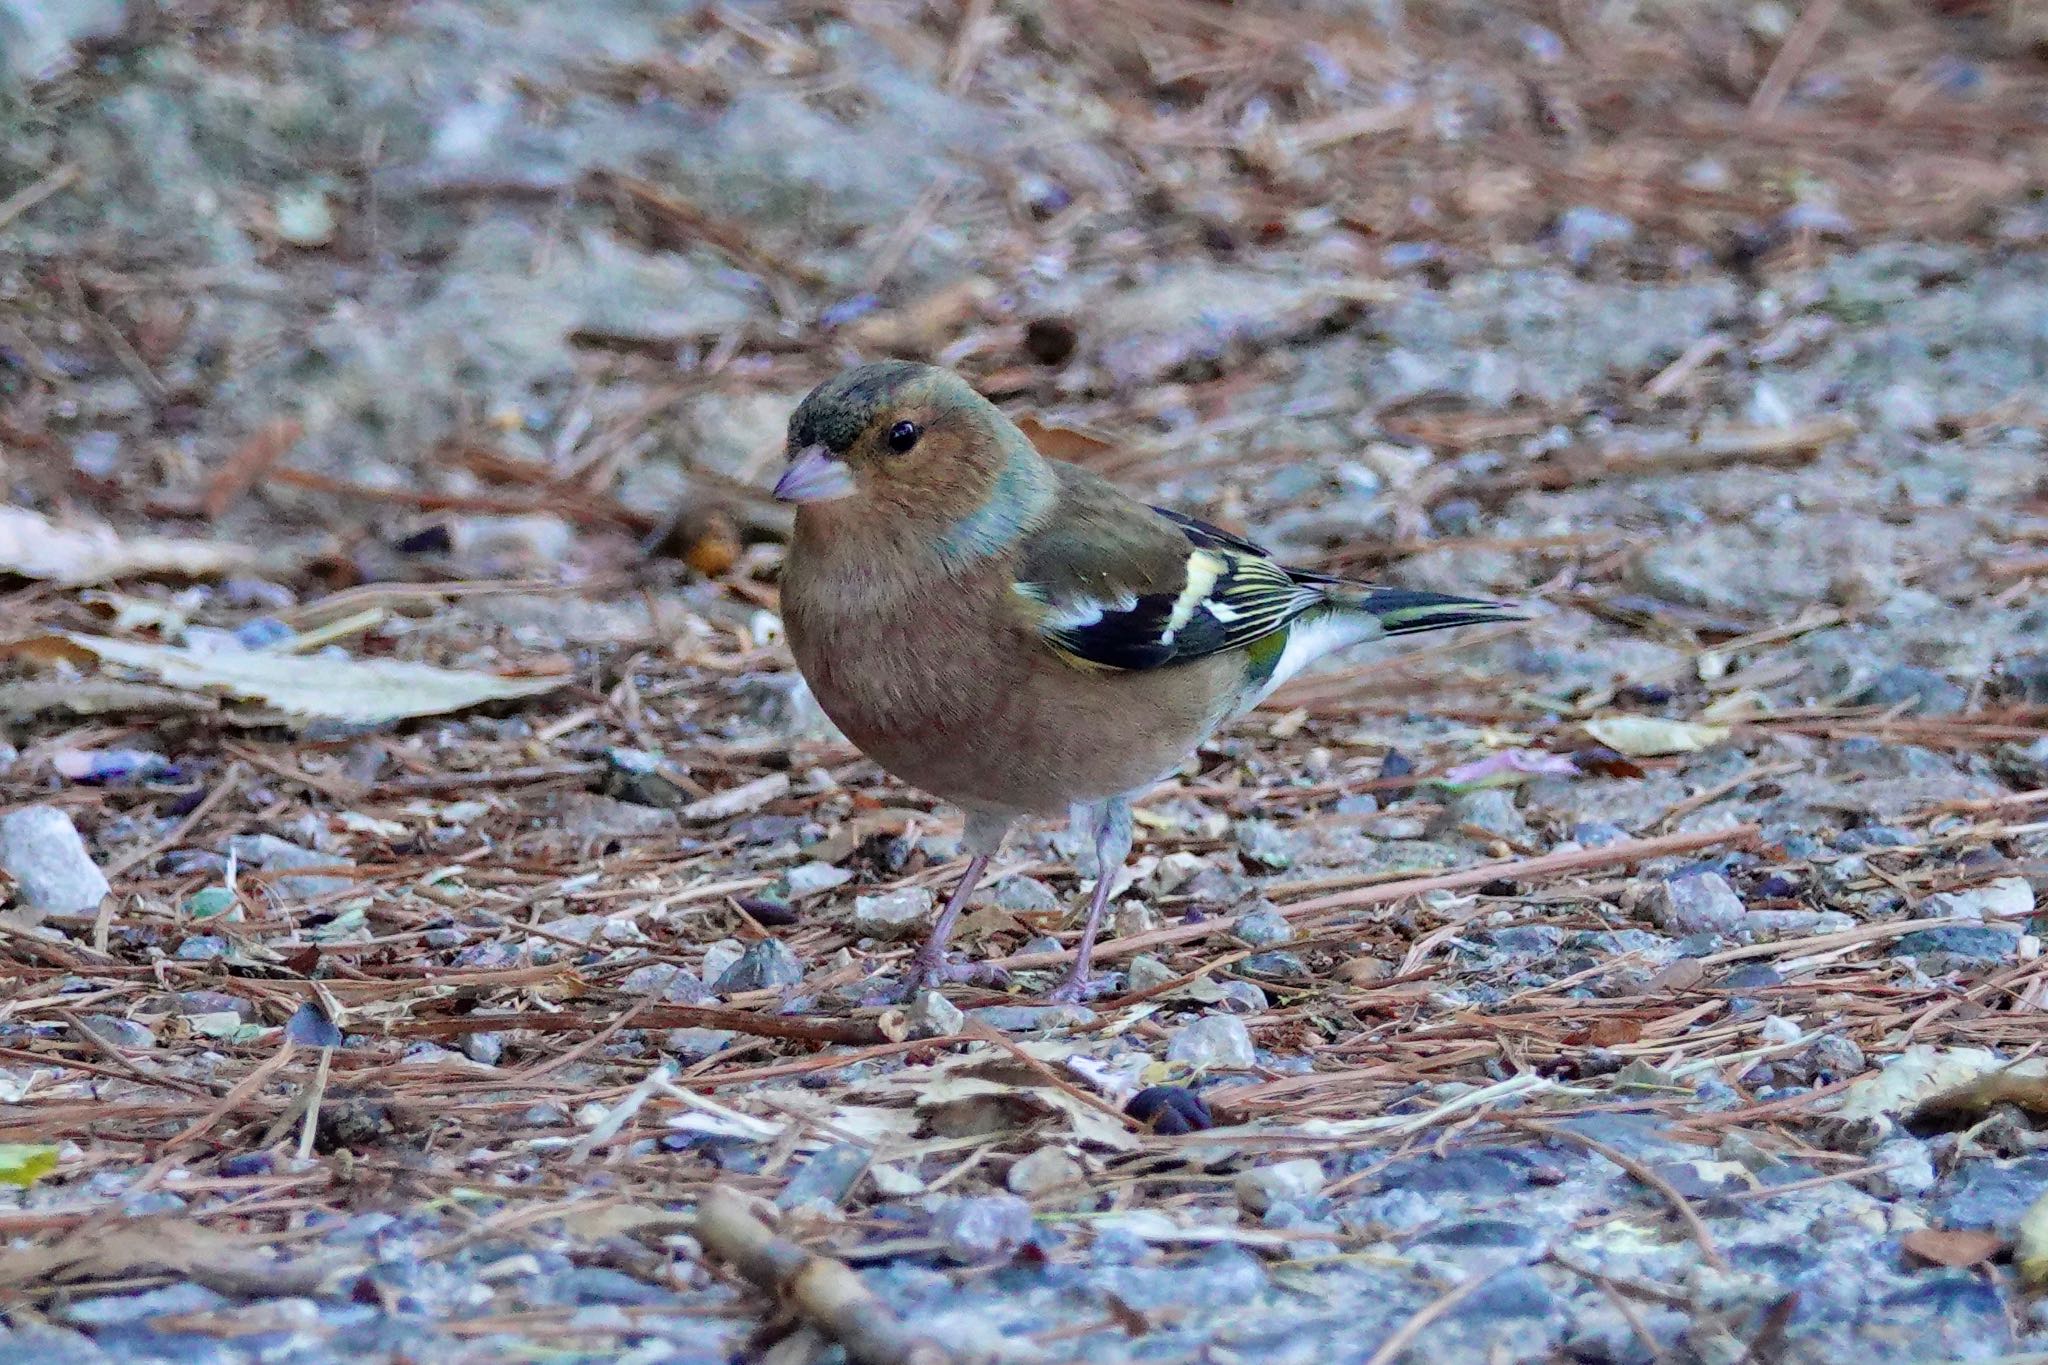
{"x": 823, "y": 1292}
{"x": 1512, "y": 869}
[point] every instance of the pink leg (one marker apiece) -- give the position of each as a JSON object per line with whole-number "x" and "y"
{"x": 1112, "y": 847}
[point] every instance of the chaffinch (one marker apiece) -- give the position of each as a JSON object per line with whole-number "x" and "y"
{"x": 1017, "y": 636}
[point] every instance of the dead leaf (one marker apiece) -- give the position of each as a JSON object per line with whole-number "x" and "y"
{"x": 152, "y": 1246}
{"x": 1062, "y": 442}
{"x": 33, "y": 546}
{"x": 2030, "y": 1245}
{"x": 1681, "y": 975}
{"x": 1653, "y": 736}
{"x": 1606, "y": 1033}
{"x": 1971, "y": 1102}
{"x": 1952, "y": 1248}
{"x": 361, "y": 691}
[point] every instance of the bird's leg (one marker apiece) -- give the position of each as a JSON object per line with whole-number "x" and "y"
{"x": 929, "y": 967}
{"x": 1112, "y": 847}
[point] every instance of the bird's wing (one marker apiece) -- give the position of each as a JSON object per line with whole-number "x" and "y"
{"x": 1112, "y": 583}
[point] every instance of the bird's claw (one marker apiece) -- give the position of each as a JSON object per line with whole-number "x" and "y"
{"x": 930, "y": 973}
{"x": 1076, "y": 990}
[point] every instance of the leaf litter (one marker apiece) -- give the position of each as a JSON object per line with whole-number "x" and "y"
{"x": 480, "y": 995}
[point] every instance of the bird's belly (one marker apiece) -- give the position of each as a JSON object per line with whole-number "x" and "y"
{"x": 1012, "y": 729}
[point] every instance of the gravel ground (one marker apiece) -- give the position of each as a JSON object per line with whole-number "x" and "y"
{"x": 423, "y": 320}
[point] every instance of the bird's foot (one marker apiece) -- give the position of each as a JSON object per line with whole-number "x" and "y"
{"x": 931, "y": 972}
{"x": 1076, "y": 989}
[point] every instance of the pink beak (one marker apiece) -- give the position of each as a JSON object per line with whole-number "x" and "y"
{"x": 814, "y": 475}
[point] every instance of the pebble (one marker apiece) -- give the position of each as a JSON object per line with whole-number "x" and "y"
{"x": 670, "y": 984}
{"x": 1215, "y": 1041}
{"x": 1909, "y": 1169}
{"x": 1261, "y": 1187}
{"x": 1033, "y": 1018}
{"x": 116, "y": 1310}
{"x": 1262, "y": 928}
{"x": 2006, "y": 898}
{"x": 1023, "y": 895}
{"x": 53, "y": 874}
{"x": 1267, "y": 845}
{"x": 202, "y": 948}
{"x": 1042, "y": 1170}
{"x": 487, "y": 1049}
{"x": 1963, "y": 945}
{"x": 1491, "y": 809}
{"x": 810, "y": 879}
{"x": 932, "y": 1015}
{"x": 270, "y": 853}
{"x": 119, "y": 1032}
{"x": 1699, "y": 904}
{"x": 893, "y": 914}
{"x": 1776, "y": 922}
{"x": 762, "y": 966}
{"x": 719, "y": 957}
{"x": 1284, "y": 966}
{"x": 986, "y": 1227}
{"x": 1930, "y": 693}
{"x": 695, "y": 1044}
{"x": 827, "y": 1178}
{"x": 1146, "y": 971}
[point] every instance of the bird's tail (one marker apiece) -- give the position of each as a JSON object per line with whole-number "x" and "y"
{"x": 1403, "y": 611}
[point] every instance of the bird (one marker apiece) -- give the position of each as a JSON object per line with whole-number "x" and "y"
{"x": 1022, "y": 639}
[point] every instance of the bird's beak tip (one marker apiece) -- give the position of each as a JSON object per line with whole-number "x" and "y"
{"x": 814, "y": 475}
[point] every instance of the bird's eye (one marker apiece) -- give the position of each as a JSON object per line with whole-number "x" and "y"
{"x": 903, "y": 436}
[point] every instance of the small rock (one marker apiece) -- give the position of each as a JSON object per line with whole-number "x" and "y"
{"x": 1963, "y": 945}
{"x": 1023, "y": 895}
{"x": 1127, "y": 921}
{"x": 587, "y": 815}
{"x": 984, "y": 1228}
{"x": 270, "y": 853}
{"x": 486, "y": 1048}
{"x": 1699, "y": 904}
{"x": 1838, "y": 1055}
{"x": 1930, "y": 693}
{"x": 827, "y": 1178}
{"x": 1776, "y": 922}
{"x": 1261, "y": 1187}
{"x": 1174, "y": 871}
{"x": 764, "y": 965}
{"x": 670, "y": 984}
{"x": 1582, "y": 230}
{"x": 1215, "y": 1041}
{"x": 53, "y": 874}
{"x": 893, "y": 914}
{"x": 1033, "y": 1018}
{"x": 1265, "y": 844}
{"x": 1910, "y": 1169}
{"x": 202, "y": 948}
{"x": 1281, "y": 966}
{"x": 720, "y": 956}
{"x": 1777, "y": 1030}
{"x": 1262, "y": 928}
{"x": 1905, "y": 407}
{"x": 117, "y": 1031}
{"x": 695, "y": 1044}
{"x": 1598, "y": 834}
{"x": 1045, "y": 1169}
{"x": 1490, "y": 808}
{"x": 119, "y": 1310}
{"x": 934, "y": 1016}
{"x": 810, "y": 879}
{"x": 1146, "y": 971}
{"x": 2006, "y": 898}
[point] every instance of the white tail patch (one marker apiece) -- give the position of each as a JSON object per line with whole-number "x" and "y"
{"x": 1313, "y": 637}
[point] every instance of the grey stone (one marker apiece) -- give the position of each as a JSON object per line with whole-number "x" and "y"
{"x": 986, "y": 1227}
{"x": 667, "y": 982}
{"x": 1909, "y": 1169}
{"x": 485, "y": 1048}
{"x": 809, "y": 879}
{"x": 1262, "y": 928}
{"x": 1213, "y": 1041}
{"x": 1261, "y": 1187}
{"x": 894, "y": 914}
{"x": 120, "y": 1032}
{"x": 1700, "y": 904}
{"x": 932, "y": 1015}
{"x": 202, "y": 948}
{"x": 272, "y": 854}
{"x": 1044, "y": 1169}
{"x": 719, "y": 957}
{"x": 764, "y": 965}
{"x": 827, "y": 1178}
{"x": 114, "y": 1310}
{"x": 2008, "y": 898}
{"x": 1281, "y": 966}
{"x": 1267, "y": 845}
{"x": 1023, "y": 895}
{"x": 1930, "y": 693}
{"x": 53, "y": 874}
{"x": 1964, "y": 945}
{"x": 695, "y": 1044}
{"x": 1490, "y": 808}
{"x": 1990, "y": 1194}
{"x": 1033, "y": 1018}
{"x": 1146, "y": 971}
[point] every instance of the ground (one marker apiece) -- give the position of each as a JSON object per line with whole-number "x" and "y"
{"x": 1655, "y": 980}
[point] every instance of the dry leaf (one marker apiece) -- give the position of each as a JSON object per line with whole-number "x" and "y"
{"x": 1970, "y": 1103}
{"x": 1651, "y": 736}
{"x": 360, "y": 691}
{"x": 1060, "y": 442}
{"x": 33, "y": 546}
{"x": 1606, "y": 1033}
{"x": 1920, "y": 1073}
{"x": 1954, "y": 1249}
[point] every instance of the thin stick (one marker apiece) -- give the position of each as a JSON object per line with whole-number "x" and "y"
{"x": 824, "y": 1292}
{"x": 1693, "y": 1222}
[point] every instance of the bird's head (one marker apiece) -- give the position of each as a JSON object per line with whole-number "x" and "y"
{"x": 894, "y": 438}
